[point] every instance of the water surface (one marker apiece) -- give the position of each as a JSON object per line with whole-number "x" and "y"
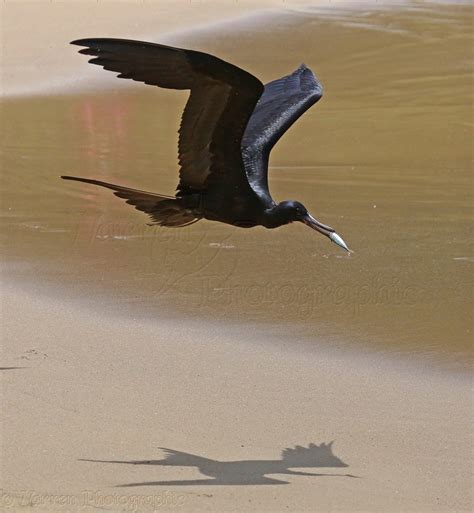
{"x": 385, "y": 158}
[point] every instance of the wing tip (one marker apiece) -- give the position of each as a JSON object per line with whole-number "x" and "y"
{"x": 311, "y": 79}
{"x": 80, "y": 42}
{"x": 91, "y": 42}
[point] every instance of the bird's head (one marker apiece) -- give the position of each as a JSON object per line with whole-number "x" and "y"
{"x": 295, "y": 211}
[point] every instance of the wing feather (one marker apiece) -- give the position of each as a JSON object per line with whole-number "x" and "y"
{"x": 221, "y": 102}
{"x": 283, "y": 101}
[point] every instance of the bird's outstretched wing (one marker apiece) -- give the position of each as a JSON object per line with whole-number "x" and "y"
{"x": 283, "y": 101}
{"x": 222, "y": 99}
{"x": 163, "y": 210}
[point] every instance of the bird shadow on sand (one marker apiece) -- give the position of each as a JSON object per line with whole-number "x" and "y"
{"x": 243, "y": 472}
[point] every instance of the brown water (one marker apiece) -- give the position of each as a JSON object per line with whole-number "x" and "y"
{"x": 385, "y": 158}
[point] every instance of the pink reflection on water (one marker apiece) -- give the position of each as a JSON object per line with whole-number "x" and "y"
{"x": 101, "y": 123}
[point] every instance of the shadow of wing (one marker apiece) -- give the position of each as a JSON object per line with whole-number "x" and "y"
{"x": 311, "y": 456}
{"x": 206, "y": 482}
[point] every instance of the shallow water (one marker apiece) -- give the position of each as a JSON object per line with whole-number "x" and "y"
{"x": 385, "y": 158}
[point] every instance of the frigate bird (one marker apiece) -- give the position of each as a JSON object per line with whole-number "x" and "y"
{"x": 229, "y": 126}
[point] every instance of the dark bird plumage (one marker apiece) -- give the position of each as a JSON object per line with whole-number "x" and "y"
{"x": 229, "y": 126}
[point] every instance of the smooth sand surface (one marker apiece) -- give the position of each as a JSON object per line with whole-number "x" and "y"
{"x": 78, "y": 385}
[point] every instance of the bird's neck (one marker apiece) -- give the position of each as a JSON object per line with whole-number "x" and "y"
{"x": 275, "y": 217}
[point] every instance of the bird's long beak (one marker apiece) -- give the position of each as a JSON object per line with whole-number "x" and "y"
{"x": 325, "y": 230}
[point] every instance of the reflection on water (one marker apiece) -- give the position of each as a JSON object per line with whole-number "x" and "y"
{"x": 384, "y": 158}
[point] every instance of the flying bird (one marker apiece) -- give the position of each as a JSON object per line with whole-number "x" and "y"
{"x": 229, "y": 126}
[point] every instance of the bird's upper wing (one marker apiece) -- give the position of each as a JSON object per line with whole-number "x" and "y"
{"x": 222, "y": 99}
{"x": 283, "y": 101}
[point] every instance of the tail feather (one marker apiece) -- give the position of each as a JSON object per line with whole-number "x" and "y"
{"x": 163, "y": 210}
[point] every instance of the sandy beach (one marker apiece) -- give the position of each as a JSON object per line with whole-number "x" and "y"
{"x": 84, "y": 387}
{"x": 196, "y": 371}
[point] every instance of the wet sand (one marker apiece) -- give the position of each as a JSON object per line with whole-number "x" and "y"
{"x": 93, "y": 387}
{"x": 229, "y": 344}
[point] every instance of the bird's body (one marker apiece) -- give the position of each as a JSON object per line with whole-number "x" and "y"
{"x": 228, "y": 128}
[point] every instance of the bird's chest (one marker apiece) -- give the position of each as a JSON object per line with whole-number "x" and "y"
{"x": 232, "y": 209}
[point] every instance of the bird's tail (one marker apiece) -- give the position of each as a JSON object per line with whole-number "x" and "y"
{"x": 163, "y": 210}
